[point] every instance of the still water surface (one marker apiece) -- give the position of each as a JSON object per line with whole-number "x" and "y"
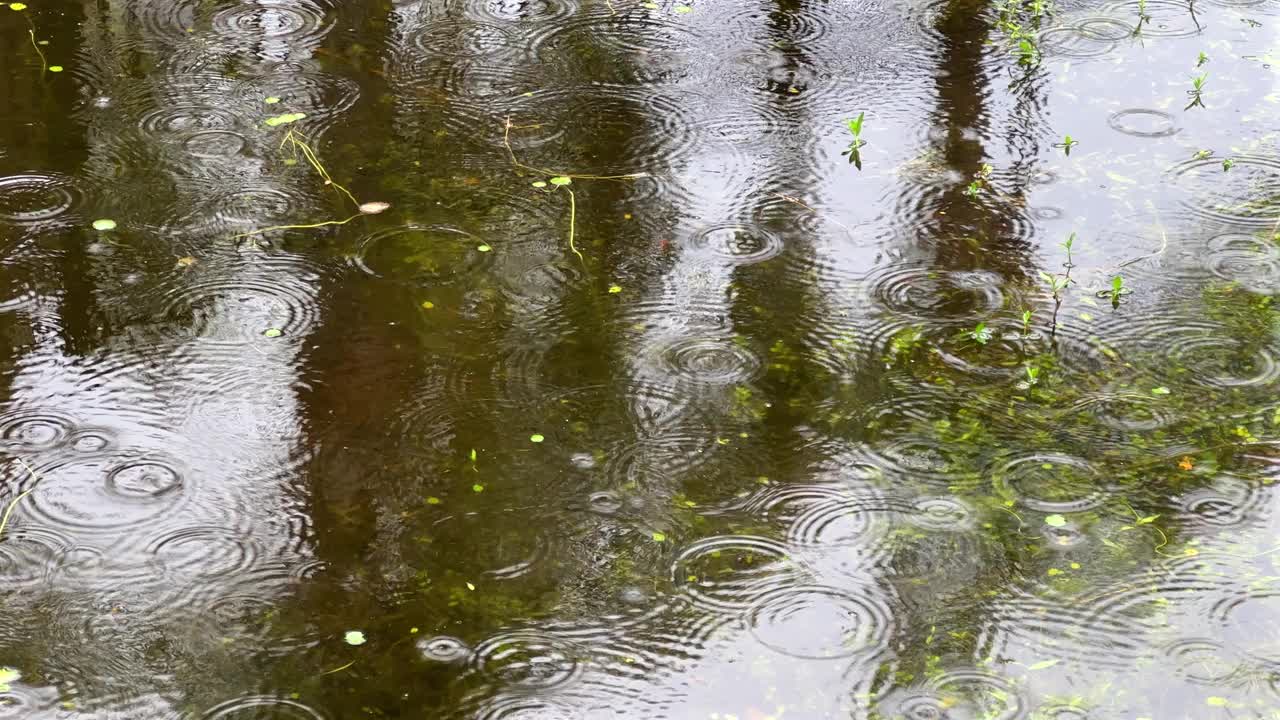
{"x": 748, "y": 433}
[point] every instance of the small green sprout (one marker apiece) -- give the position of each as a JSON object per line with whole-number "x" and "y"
{"x": 1202, "y": 59}
{"x": 1227, "y": 164}
{"x": 1067, "y": 143}
{"x": 1197, "y": 90}
{"x": 855, "y": 127}
{"x": 1026, "y": 323}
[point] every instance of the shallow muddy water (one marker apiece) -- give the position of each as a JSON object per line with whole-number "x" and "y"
{"x": 641, "y": 400}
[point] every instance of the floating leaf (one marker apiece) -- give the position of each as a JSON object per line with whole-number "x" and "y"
{"x": 477, "y": 488}
{"x": 470, "y": 586}
{"x": 271, "y": 100}
{"x": 104, "y": 224}
{"x": 186, "y": 262}
{"x": 353, "y": 637}
{"x": 427, "y": 304}
{"x": 651, "y": 6}
{"x": 1043, "y": 664}
{"x": 1055, "y": 521}
{"x": 1053, "y": 572}
{"x": 659, "y": 537}
{"x": 433, "y": 500}
{"x": 1162, "y": 390}
{"x": 8, "y": 675}
{"x": 1216, "y": 701}
{"x": 373, "y": 208}
{"x": 483, "y": 248}
{"x": 55, "y": 68}
{"x": 273, "y": 332}
{"x": 682, "y": 9}
{"x": 284, "y": 119}
{"x": 615, "y": 289}
{"x": 539, "y": 184}
{"x": 1147, "y": 520}
{"x": 1185, "y": 463}
{"x": 561, "y": 180}
{"x": 536, "y": 437}
{"x": 17, "y": 6}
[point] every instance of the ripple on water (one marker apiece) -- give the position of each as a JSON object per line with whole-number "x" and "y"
{"x": 820, "y": 623}
{"x": 1202, "y": 660}
{"x": 709, "y": 361}
{"x": 20, "y": 701}
{"x": 729, "y": 573}
{"x": 1248, "y": 195}
{"x": 28, "y": 554}
{"x": 1088, "y": 38}
{"x": 500, "y": 546}
{"x": 1142, "y": 122}
{"x": 1225, "y": 501}
{"x": 942, "y": 513}
{"x": 202, "y": 553}
{"x": 301, "y": 87}
{"x": 444, "y": 649}
{"x": 38, "y": 199}
{"x": 241, "y": 307}
{"x": 927, "y": 293}
{"x": 529, "y": 660}
{"x": 423, "y": 255}
{"x": 838, "y": 523}
{"x": 1165, "y": 18}
{"x": 111, "y": 494}
{"x": 734, "y": 244}
{"x": 261, "y": 707}
{"x": 1211, "y": 357}
{"x": 603, "y": 111}
{"x": 1246, "y": 259}
{"x": 1051, "y": 483}
{"x": 300, "y": 22}
{"x": 955, "y": 694}
{"x": 529, "y": 708}
{"x": 33, "y": 430}
{"x": 1126, "y": 411}
{"x": 605, "y": 48}
{"x": 1008, "y": 352}
{"x": 1248, "y": 622}
{"x": 518, "y": 11}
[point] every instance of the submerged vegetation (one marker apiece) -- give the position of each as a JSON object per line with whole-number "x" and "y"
{"x": 628, "y": 396}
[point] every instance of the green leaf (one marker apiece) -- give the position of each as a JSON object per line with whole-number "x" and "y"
{"x": 477, "y": 488}
{"x": 615, "y": 289}
{"x": 354, "y": 637}
{"x": 273, "y": 332}
{"x": 539, "y": 184}
{"x": 561, "y": 180}
{"x": 1055, "y": 521}
{"x": 682, "y": 9}
{"x": 284, "y": 119}
{"x": 855, "y": 126}
{"x": 8, "y": 675}
{"x": 104, "y": 224}
{"x": 17, "y": 6}
{"x": 271, "y": 100}
{"x": 1043, "y": 664}
{"x": 433, "y": 500}
{"x": 659, "y": 537}
{"x": 55, "y": 68}
{"x": 1148, "y": 519}
{"x": 1162, "y": 390}
{"x": 483, "y": 248}
{"x": 1216, "y": 701}
{"x": 536, "y": 438}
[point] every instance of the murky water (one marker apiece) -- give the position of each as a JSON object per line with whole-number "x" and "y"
{"x": 725, "y": 427}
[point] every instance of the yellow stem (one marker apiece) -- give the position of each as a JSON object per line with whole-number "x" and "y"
{"x": 4, "y": 522}
{"x": 295, "y": 227}
{"x": 44, "y": 64}
{"x": 573, "y": 213}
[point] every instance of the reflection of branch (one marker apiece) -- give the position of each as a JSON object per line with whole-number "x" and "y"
{"x": 1164, "y": 243}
